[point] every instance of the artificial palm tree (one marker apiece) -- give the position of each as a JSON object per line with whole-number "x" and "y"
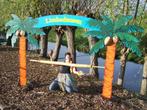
{"x": 23, "y": 29}
{"x": 108, "y": 34}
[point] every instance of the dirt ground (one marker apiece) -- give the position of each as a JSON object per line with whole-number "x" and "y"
{"x": 36, "y": 95}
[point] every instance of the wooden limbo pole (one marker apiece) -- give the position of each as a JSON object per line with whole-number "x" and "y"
{"x": 66, "y": 64}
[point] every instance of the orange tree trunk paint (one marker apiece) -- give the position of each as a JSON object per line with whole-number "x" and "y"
{"x": 22, "y": 60}
{"x": 109, "y": 71}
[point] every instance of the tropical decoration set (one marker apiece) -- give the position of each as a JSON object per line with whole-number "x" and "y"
{"x": 108, "y": 31}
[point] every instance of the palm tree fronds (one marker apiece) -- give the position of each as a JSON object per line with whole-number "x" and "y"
{"x": 99, "y": 45}
{"x": 122, "y": 21}
{"x": 37, "y": 31}
{"x": 15, "y": 17}
{"x": 11, "y": 31}
{"x": 33, "y": 41}
{"x": 96, "y": 34}
{"x": 95, "y": 23}
{"x": 133, "y": 47}
{"x": 107, "y": 20}
{"x": 127, "y": 37}
{"x": 11, "y": 23}
{"x": 15, "y": 21}
{"x": 27, "y": 25}
{"x": 130, "y": 29}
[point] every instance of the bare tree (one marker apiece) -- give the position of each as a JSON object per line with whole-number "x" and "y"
{"x": 93, "y": 58}
{"x": 123, "y": 58}
{"x": 48, "y": 7}
{"x": 136, "y": 10}
{"x": 124, "y": 52}
{"x": 70, "y": 35}
{"x": 44, "y": 42}
{"x": 59, "y": 35}
{"x": 143, "y": 90}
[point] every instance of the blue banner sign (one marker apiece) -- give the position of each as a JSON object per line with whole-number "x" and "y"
{"x": 64, "y": 20}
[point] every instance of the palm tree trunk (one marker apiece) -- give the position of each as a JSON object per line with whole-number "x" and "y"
{"x": 93, "y": 58}
{"x": 22, "y": 60}
{"x": 70, "y": 34}
{"x": 57, "y": 47}
{"x": 109, "y": 71}
{"x": 143, "y": 90}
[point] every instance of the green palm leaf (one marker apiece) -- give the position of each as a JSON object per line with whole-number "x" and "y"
{"x": 107, "y": 20}
{"x": 29, "y": 27}
{"x": 14, "y": 21}
{"x": 10, "y": 23}
{"x": 38, "y": 32}
{"x": 111, "y": 28}
{"x": 11, "y": 31}
{"x": 127, "y": 37}
{"x": 33, "y": 41}
{"x": 26, "y": 25}
{"x": 108, "y": 26}
{"x": 95, "y": 23}
{"x": 15, "y": 17}
{"x": 96, "y": 34}
{"x": 13, "y": 40}
{"x": 99, "y": 45}
{"x": 122, "y": 21}
{"x": 130, "y": 29}
{"x": 133, "y": 47}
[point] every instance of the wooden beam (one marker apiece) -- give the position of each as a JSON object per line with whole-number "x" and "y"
{"x": 66, "y": 64}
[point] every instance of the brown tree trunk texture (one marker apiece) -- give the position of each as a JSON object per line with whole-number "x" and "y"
{"x": 93, "y": 58}
{"x": 142, "y": 14}
{"x": 41, "y": 45}
{"x": 143, "y": 90}
{"x": 109, "y": 71}
{"x": 44, "y": 43}
{"x": 70, "y": 34}
{"x": 57, "y": 47}
{"x": 37, "y": 37}
{"x": 123, "y": 58}
{"x": 126, "y": 7}
{"x": 124, "y": 52}
{"x": 136, "y": 10}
